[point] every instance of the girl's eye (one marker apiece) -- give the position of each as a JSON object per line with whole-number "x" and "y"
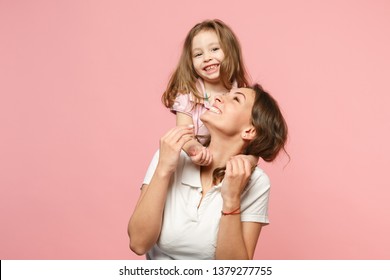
{"x": 215, "y": 49}
{"x": 197, "y": 54}
{"x": 236, "y": 99}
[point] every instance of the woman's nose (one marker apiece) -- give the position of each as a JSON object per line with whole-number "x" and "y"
{"x": 219, "y": 98}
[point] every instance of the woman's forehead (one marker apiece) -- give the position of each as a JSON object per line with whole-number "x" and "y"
{"x": 247, "y": 92}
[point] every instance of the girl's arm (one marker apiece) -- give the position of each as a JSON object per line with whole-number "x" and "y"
{"x": 145, "y": 224}
{"x": 199, "y": 155}
{"x": 236, "y": 239}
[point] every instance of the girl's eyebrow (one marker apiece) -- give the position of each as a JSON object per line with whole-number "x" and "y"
{"x": 209, "y": 45}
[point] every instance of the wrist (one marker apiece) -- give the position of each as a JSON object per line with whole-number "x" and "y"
{"x": 231, "y": 201}
{"x": 236, "y": 211}
{"x": 163, "y": 173}
{"x": 231, "y": 207}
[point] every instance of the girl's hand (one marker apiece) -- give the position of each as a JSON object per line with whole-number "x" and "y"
{"x": 170, "y": 146}
{"x": 200, "y": 155}
{"x": 238, "y": 170}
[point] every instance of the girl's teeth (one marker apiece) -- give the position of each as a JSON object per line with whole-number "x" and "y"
{"x": 210, "y": 67}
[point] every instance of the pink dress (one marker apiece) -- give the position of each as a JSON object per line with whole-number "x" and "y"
{"x": 185, "y": 103}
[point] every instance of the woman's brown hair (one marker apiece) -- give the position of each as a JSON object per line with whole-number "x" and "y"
{"x": 271, "y": 127}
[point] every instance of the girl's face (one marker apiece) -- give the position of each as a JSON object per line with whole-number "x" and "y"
{"x": 231, "y": 113}
{"x": 207, "y": 55}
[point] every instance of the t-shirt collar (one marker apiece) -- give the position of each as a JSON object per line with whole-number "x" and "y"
{"x": 191, "y": 175}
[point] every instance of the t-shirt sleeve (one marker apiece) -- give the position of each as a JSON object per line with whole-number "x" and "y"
{"x": 152, "y": 168}
{"x": 255, "y": 199}
{"x": 183, "y": 104}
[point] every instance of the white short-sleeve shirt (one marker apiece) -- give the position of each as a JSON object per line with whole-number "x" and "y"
{"x": 189, "y": 231}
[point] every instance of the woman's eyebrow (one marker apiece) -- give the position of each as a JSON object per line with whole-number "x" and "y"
{"x": 238, "y": 92}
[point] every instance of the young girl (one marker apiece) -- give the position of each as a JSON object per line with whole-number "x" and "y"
{"x": 210, "y": 64}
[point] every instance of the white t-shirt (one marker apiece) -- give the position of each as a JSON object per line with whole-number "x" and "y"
{"x": 189, "y": 232}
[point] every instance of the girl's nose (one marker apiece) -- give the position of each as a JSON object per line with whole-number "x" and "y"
{"x": 207, "y": 57}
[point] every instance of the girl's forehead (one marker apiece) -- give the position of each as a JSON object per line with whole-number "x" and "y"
{"x": 205, "y": 33}
{"x": 206, "y": 30}
{"x": 204, "y": 38}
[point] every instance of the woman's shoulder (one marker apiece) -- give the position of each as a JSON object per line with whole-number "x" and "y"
{"x": 259, "y": 179}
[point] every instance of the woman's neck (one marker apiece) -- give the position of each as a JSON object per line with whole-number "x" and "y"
{"x": 223, "y": 150}
{"x": 221, "y": 154}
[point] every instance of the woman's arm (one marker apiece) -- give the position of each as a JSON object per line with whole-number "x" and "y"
{"x": 145, "y": 224}
{"x": 236, "y": 239}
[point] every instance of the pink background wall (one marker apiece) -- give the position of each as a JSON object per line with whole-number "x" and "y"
{"x": 80, "y": 117}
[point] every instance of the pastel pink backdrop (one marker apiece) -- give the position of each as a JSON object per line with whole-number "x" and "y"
{"x": 80, "y": 117}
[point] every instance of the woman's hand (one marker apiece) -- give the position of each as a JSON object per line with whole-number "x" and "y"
{"x": 238, "y": 170}
{"x": 170, "y": 146}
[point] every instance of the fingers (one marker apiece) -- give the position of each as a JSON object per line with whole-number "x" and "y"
{"x": 170, "y": 146}
{"x": 178, "y": 136}
{"x": 208, "y": 158}
{"x": 239, "y": 166}
{"x": 177, "y": 132}
{"x": 237, "y": 173}
{"x": 202, "y": 157}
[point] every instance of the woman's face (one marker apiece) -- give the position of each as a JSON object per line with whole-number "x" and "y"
{"x": 231, "y": 113}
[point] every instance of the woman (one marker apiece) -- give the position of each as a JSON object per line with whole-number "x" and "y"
{"x": 217, "y": 211}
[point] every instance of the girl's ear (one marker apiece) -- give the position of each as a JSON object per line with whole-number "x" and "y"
{"x": 249, "y": 133}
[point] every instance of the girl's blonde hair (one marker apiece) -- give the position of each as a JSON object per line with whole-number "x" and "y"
{"x": 184, "y": 78}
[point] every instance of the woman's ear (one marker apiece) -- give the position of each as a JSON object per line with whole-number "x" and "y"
{"x": 249, "y": 133}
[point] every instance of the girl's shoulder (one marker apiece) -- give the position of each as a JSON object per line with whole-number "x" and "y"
{"x": 192, "y": 97}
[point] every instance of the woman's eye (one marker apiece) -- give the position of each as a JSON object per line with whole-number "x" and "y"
{"x": 236, "y": 99}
